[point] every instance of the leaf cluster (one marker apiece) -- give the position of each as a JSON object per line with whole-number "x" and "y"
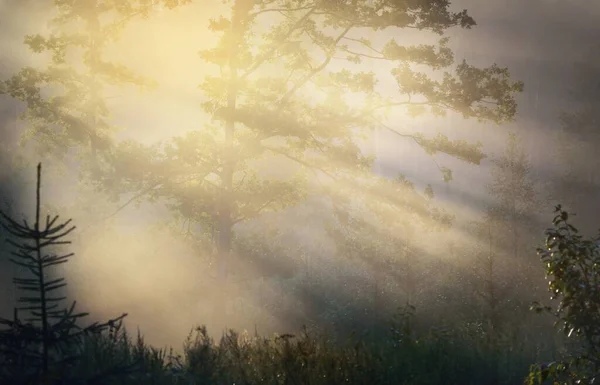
{"x": 65, "y": 101}
{"x": 572, "y": 265}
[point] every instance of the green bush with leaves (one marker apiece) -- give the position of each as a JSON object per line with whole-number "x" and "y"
{"x": 572, "y": 265}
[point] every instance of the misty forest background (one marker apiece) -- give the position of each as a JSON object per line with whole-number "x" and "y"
{"x": 268, "y": 165}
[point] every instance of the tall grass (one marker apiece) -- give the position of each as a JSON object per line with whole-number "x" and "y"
{"x": 50, "y": 347}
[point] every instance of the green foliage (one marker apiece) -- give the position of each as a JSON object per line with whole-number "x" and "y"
{"x": 436, "y": 357}
{"x": 502, "y": 238}
{"x": 512, "y": 185}
{"x": 458, "y": 353}
{"x": 65, "y": 101}
{"x": 572, "y": 265}
{"x": 460, "y": 149}
{"x": 45, "y": 346}
{"x": 281, "y": 100}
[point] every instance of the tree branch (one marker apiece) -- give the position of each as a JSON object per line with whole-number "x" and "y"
{"x": 409, "y": 136}
{"x": 254, "y": 212}
{"x": 284, "y": 38}
{"x": 312, "y": 73}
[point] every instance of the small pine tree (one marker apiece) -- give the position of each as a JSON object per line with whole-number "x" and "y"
{"x": 44, "y": 348}
{"x": 504, "y": 236}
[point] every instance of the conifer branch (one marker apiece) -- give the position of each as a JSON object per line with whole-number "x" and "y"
{"x": 48, "y": 339}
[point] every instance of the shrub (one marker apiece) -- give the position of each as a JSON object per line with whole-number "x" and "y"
{"x": 573, "y": 267}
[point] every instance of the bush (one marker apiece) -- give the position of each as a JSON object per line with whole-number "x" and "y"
{"x": 573, "y": 266}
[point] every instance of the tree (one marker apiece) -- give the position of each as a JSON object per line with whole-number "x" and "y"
{"x": 280, "y": 99}
{"x": 74, "y": 118}
{"x": 45, "y": 346}
{"x": 514, "y": 190}
{"x": 502, "y": 236}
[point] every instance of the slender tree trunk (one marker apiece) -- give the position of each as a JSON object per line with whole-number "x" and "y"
{"x": 513, "y": 212}
{"x": 93, "y": 26}
{"x": 225, "y": 220}
{"x": 225, "y": 225}
{"x": 225, "y": 236}
{"x": 493, "y": 303}
{"x": 410, "y": 276}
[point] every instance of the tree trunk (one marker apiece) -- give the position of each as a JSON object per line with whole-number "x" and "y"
{"x": 225, "y": 220}
{"x": 93, "y": 26}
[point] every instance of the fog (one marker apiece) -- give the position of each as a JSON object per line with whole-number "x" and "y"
{"x": 144, "y": 257}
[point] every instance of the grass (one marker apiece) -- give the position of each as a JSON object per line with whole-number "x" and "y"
{"x": 437, "y": 357}
{"x": 50, "y": 347}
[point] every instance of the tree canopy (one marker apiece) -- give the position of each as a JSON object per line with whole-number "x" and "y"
{"x": 294, "y": 93}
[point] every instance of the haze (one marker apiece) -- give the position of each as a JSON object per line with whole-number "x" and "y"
{"x": 288, "y": 271}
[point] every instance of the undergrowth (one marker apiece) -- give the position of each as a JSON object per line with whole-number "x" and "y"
{"x": 49, "y": 346}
